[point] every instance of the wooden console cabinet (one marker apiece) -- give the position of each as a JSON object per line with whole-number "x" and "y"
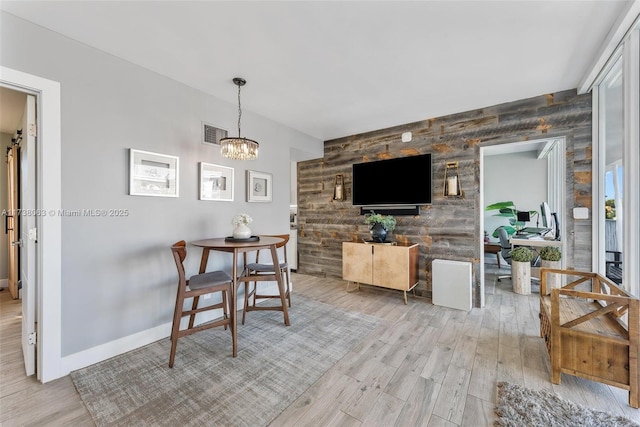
{"x": 381, "y": 264}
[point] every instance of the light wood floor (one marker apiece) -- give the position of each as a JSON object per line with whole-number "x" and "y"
{"x": 426, "y": 365}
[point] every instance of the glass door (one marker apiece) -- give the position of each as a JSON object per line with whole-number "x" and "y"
{"x": 611, "y": 113}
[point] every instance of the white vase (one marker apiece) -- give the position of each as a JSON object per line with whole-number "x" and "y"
{"x": 241, "y": 232}
{"x": 554, "y": 280}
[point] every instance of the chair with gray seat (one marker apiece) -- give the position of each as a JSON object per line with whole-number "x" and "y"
{"x": 194, "y": 287}
{"x": 505, "y": 249}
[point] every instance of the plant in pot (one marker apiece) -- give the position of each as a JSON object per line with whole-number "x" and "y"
{"x": 508, "y": 210}
{"x": 380, "y": 226}
{"x": 550, "y": 257}
{"x": 521, "y": 258}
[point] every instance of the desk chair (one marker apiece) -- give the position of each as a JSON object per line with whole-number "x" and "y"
{"x": 505, "y": 249}
{"x": 199, "y": 284}
{"x": 256, "y": 272}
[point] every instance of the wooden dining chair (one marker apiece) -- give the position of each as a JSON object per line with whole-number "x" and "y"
{"x": 259, "y": 272}
{"x": 194, "y": 287}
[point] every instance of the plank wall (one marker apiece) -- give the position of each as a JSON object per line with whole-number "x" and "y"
{"x": 449, "y": 227}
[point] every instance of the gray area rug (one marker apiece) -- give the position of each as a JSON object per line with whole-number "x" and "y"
{"x": 207, "y": 386}
{"x": 519, "y": 406}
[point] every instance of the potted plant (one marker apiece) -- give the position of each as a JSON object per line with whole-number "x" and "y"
{"x": 550, "y": 257}
{"x": 521, "y": 270}
{"x": 380, "y": 226}
{"x": 508, "y": 210}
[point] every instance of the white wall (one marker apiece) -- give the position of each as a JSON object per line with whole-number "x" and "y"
{"x": 118, "y": 276}
{"x": 518, "y": 177}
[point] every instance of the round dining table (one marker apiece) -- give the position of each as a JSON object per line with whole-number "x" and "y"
{"x": 238, "y": 246}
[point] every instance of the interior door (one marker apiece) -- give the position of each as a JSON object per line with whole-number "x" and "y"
{"x": 28, "y": 234}
{"x": 11, "y": 222}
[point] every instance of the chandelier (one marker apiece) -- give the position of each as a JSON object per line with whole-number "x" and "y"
{"x": 239, "y": 148}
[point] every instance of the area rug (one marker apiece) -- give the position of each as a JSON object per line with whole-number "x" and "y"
{"x": 206, "y": 386}
{"x": 519, "y": 406}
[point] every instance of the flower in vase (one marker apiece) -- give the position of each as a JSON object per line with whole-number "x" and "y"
{"x": 242, "y": 218}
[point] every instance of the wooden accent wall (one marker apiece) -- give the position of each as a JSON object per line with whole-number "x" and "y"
{"x": 449, "y": 227}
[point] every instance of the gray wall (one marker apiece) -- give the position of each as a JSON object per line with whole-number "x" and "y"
{"x": 118, "y": 276}
{"x": 519, "y": 177}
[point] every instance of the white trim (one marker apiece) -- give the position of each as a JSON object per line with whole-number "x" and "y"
{"x": 619, "y": 31}
{"x": 597, "y": 184}
{"x": 122, "y": 345}
{"x": 4, "y": 283}
{"x": 481, "y": 212}
{"x": 631, "y": 151}
{"x": 49, "y": 273}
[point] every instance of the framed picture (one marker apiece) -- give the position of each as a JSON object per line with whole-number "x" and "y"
{"x": 216, "y": 182}
{"x": 152, "y": 174}
{"x": 259, "y": 185}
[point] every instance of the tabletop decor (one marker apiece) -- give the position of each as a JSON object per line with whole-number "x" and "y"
{"x": 241, "y": 223}
{"x": 380, "y": 226}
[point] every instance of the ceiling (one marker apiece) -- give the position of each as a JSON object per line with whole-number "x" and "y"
{"x": 332, "y": 69}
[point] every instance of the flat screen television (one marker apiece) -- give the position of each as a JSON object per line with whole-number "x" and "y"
{"x": 393, "y": 182}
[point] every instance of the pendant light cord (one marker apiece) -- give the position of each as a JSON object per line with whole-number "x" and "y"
{"x": 239, "y": 110}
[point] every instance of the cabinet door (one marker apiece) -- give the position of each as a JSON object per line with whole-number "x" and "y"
{"x": 391, "y": 267}
{"x": 357, "y": 262}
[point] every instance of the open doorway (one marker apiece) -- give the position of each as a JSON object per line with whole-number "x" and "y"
{"x": 19, "y": 212}
{"x": 526, "y": 173}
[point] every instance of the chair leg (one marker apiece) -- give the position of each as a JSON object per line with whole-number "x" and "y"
{"x": 287, "y": 288}
{"x": 247, "y": 294}
{"x": 192, "y": 318}
{"x": 175, "y": 329}
{"x": 225, "y": 310}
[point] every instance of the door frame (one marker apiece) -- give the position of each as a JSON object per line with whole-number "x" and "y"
{"x": 556, "y": 171}
{"x": 49, "y": 198}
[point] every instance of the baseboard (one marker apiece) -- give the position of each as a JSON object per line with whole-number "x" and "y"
{"x": 108, "y": 350}
{"x": 111, "y": 349}
{"x": 4, "y": 283}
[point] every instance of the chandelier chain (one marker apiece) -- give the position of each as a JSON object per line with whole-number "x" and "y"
{"x": 239, "y": 110}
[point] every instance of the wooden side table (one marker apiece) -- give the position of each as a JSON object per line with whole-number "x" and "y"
{"x": 492, "y": 248}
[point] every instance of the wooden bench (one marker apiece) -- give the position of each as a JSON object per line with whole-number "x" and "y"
{"x": 590, "y": 327}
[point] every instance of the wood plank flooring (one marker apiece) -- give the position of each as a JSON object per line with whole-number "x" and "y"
{"x": 424, "y": 366}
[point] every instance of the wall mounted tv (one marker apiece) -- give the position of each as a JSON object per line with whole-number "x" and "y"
{"x": 393, "y": 182}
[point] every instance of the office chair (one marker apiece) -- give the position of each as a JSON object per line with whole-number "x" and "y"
{"x": 505, "y": 252}
{"x": 505, "y": 249}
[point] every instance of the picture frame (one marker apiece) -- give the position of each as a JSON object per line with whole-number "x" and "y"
{"x": 216, "y": 182}
{"x": 259, "y": 186}
{"x": 153, "y": 174}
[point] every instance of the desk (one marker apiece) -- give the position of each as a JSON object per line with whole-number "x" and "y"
{"x": 219, "y": 244}
{"x": 534, "y": 242}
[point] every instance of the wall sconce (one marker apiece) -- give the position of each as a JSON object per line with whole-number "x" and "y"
{"x": 339, "y": 192}
{"x": 452, "y": 187}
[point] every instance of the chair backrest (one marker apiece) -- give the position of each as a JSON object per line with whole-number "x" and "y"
{"x": 282, "y": 245}
{"x": 179, "y": 251}
{"x": 505, "y": 245}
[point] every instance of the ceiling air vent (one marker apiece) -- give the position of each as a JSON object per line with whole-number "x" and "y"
{"x": 212, "y": 135}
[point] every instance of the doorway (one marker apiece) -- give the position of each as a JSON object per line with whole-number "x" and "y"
{"x": 19, "y": 212}
{"x": 518, "y": 167}
{"x": 48, "y": 307}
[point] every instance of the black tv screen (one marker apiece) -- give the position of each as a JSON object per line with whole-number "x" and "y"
{"x": 402, "y": 181}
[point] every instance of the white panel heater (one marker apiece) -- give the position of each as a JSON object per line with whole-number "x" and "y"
{"x": 451, "y": 284}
